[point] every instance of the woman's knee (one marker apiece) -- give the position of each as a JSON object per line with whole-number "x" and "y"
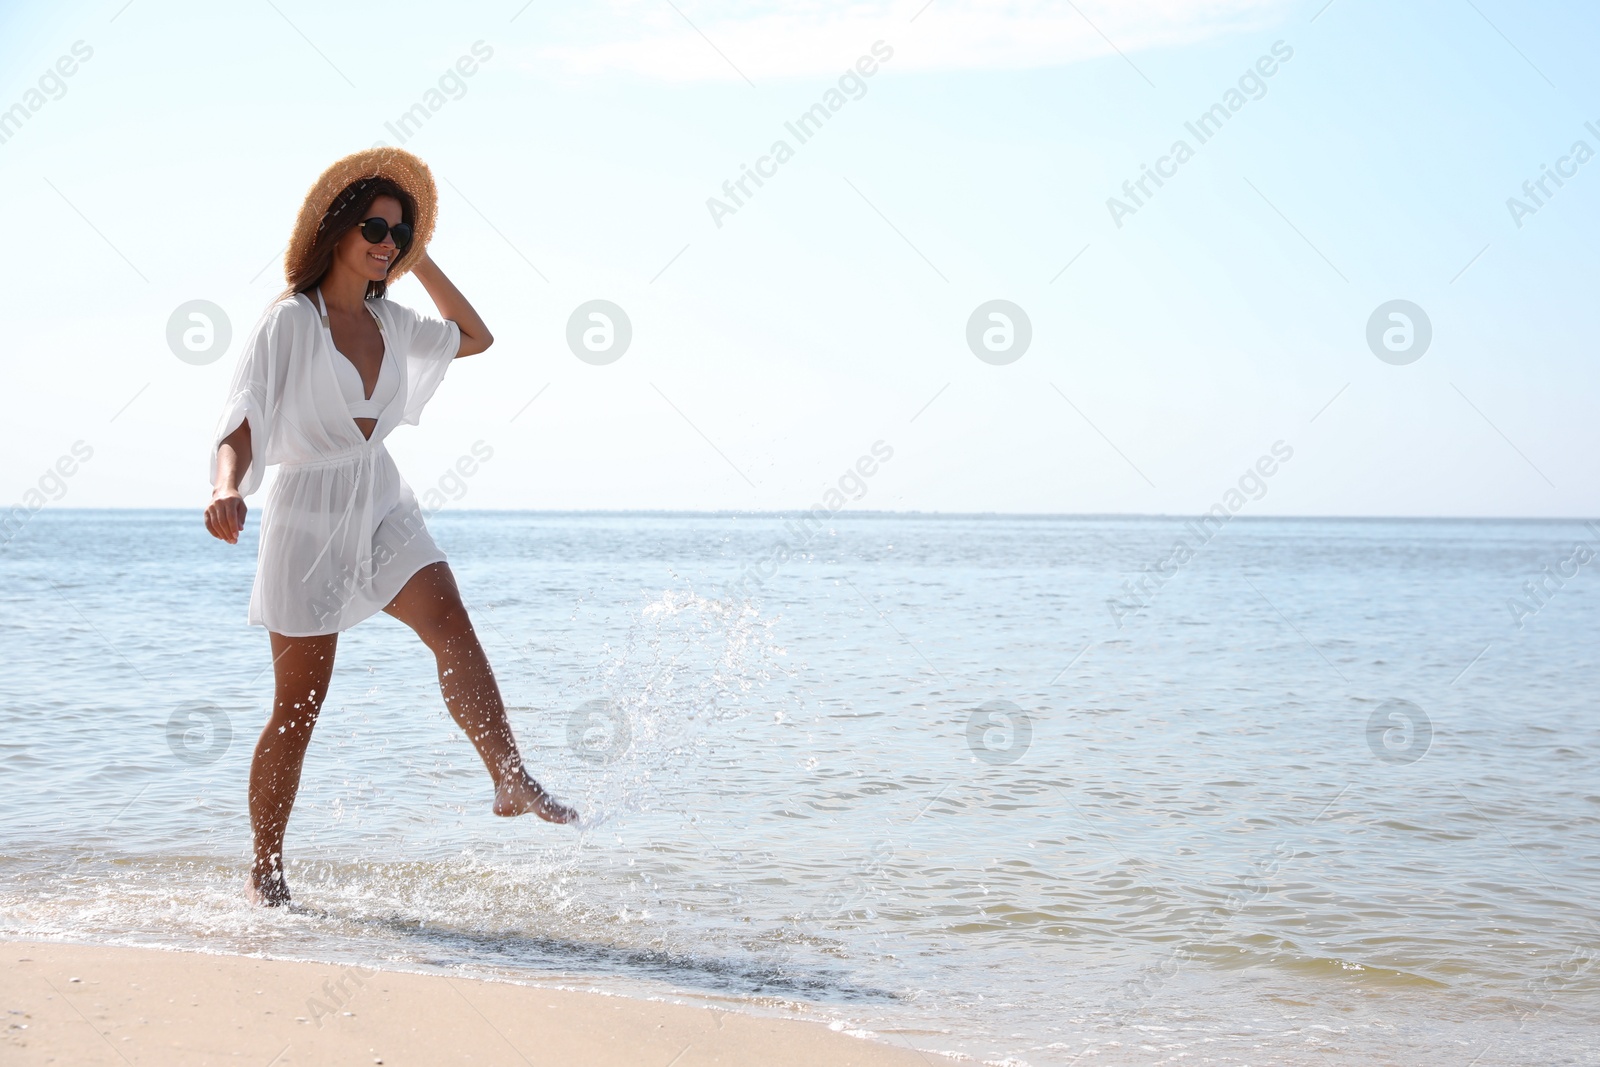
{"x": 305, "y": 701}
{"x": 296, "y": 710}
{"x": 296, "y": 707}
{"x": 297, "y": 702}
{"x": 445, "y": 626}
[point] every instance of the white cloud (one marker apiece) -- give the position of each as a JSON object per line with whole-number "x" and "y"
{"x": 648, "y": 38}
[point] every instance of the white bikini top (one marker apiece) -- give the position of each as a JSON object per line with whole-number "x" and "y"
{"x": 350, "y": 383}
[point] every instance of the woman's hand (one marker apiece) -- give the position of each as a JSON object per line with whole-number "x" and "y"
{"x": 475, "y": 336}
{"x": 225, "y": 515}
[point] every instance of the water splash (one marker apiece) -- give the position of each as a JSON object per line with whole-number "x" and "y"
{"x": 661, "y": 703}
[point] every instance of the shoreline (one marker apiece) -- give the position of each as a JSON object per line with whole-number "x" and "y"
{"x": 94, "y": 1004}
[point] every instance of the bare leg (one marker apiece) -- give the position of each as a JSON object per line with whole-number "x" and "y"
{"x": 302, "y": 667}
{"x": 431, "y": 605}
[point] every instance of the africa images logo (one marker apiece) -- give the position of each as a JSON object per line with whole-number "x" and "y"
{"x": 51, "y": 86}
{"x": 1566, "y": 167}
{"x": 1205, "y": 126}
{"x": 803, "y": 128}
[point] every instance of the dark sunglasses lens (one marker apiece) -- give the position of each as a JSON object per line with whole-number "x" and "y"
{"x": 373, "y": 230}
{"x": 402, "y": 233}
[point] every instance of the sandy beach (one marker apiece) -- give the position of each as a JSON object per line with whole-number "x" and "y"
{"x": 90, "y": 1005}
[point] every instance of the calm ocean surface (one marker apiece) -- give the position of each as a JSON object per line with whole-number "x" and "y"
{"x": 1322, "y": 801}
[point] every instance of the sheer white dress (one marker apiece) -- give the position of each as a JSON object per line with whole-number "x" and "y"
{"x": 342, "y": 531}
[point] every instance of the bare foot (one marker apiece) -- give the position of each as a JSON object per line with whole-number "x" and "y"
{"x": 267, "y": 889}
{"x": 519, "y": 794}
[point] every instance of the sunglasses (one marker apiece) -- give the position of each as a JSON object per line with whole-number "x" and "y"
{"x": 376, "y": 229}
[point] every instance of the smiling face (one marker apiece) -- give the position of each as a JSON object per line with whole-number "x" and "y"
{"x": 370, "y": 261}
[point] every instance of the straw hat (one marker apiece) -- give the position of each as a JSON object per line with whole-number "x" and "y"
{"x": 399, "y": 166}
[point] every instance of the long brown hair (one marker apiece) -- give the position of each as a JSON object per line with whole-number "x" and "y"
{"x": 349, "y": 210}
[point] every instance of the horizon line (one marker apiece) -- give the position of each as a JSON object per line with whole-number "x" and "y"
{"x": 910, "y": 514}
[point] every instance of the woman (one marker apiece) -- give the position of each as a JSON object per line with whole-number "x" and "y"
{"x": 329, "y": 370}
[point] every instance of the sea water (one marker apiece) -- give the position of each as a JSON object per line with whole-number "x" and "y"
{"x": 1020, "y": 788}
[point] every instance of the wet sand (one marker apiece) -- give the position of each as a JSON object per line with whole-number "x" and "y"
{"x": 90, "y": 1005}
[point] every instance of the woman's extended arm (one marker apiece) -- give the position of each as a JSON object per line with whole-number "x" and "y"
{"x": 225, "y": 514}
{"x": 475, "y": 336}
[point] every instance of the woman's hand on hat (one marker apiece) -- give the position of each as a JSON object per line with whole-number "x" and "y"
{"x": 452, "y": 305}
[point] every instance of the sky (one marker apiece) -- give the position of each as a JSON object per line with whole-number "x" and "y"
{"x": 1357, "y": 154}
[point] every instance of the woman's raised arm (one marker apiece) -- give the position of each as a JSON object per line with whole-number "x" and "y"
{"x": 475, "y": 336}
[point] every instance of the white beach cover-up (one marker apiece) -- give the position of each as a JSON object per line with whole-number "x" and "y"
{"x": 342, "y": 532}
